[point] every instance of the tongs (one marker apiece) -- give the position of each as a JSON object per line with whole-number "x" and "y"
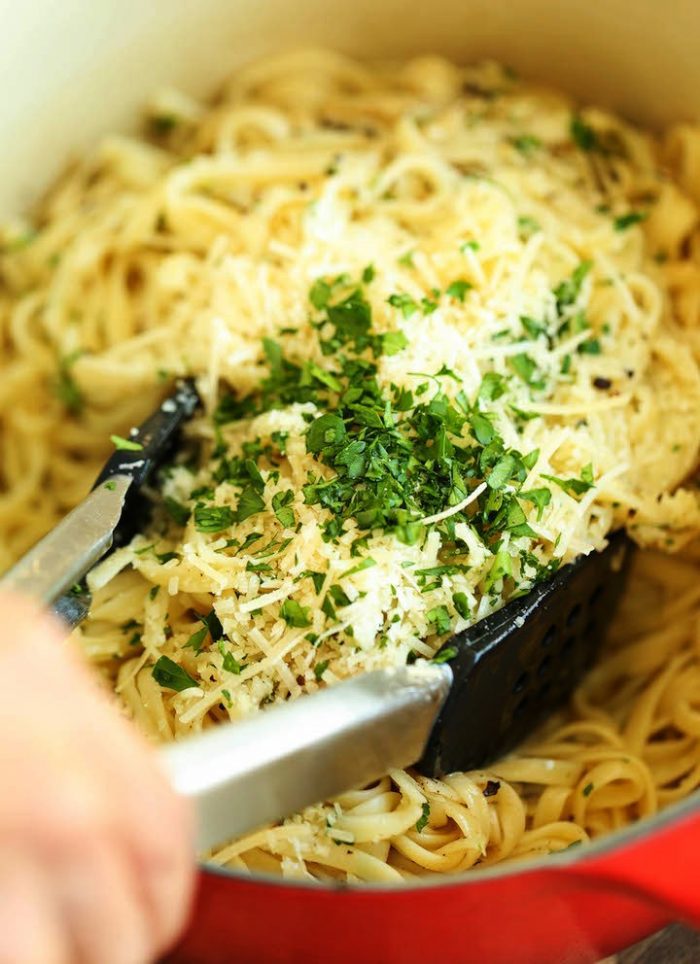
{"x": 487, "y": 689}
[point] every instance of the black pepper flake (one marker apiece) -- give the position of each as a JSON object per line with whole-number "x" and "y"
{"x": 631, "y": 513}
{"x": 602, "y": 383}
{"x": 629, "y": 372}
{"x": 491, "y": 789}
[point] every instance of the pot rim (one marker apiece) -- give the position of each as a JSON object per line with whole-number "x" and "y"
{"x": 570, "y": 856}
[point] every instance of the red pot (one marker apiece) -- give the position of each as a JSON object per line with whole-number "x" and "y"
{"x": 73, "y": 69}
{"x": 568, "y": 909}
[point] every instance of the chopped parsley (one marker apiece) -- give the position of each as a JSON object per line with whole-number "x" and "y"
{"x": 125, "y": 444}
{"x": 625, "y": 221}
{"x": 178, "y": 512}
{"x": 422, "y": 821}
{"x": 320, "y": 669}
{"x": 526, "y": 144}
{"x": 294, "y": 614}
{"x": 171, "y": 676}
{"x": 583, "y": 135}
{"x": 458, "y": 289}
{"x": 213, "y": 518}
{"x": 281, "y": 506}
{"x": 66, "y": 388}
{"x": 575, "y": 486}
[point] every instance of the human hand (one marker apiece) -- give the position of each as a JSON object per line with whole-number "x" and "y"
{"x": 96, "y": 855}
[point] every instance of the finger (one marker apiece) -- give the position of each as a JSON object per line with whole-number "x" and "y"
{"x": 102, "y": 906}
{"x": 31, "y": 930}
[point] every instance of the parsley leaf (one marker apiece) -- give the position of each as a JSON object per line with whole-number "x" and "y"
{"x": 461, "y": 604}
{"x": 575, "y": 486}
{"x": 125, "y": 444}
{"x": 539, "y": 498}
{"x": 171, "y": 676}
{"x": 441, "y": 618}
{"x": 282, "y": 508}
{"x": 250, "y": 503}
{"x": 320, "y": 669}
{"x": 422, "y": 821}
{"x": 583, "y": 135}
{"x": 176, "y": 510}
{"x": 526, "y": 144}
{"x": 213, "y": 518}
{"x": 625, "y": 221}
{"x": 295, "y": 615}
{"x": 458, "y": 289}
{"x": 405, "y": 303}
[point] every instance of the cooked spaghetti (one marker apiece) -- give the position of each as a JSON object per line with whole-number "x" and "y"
{"x": 444, "y": 325}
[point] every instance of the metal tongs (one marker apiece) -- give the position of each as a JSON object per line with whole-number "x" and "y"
{"x": 498, "y": 680}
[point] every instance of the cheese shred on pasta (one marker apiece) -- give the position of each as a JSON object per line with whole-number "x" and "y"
{"x": 445, "y": 330}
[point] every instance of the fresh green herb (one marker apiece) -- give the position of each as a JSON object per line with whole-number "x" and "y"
{"x": 492, "y": 386}
{"x": 111, "y": 485}
{"x": 125, "y": 444}
{"x": 320, "y": 669}
{"x": 213, "y": 518}
{"x": 250, "y": 503}
{"x": 461, "y": 604}
{"x": 366, "y": 563}
{"x": 583, "y": 135}
{"x": 153, "y": 592}
{"x": 590, "y": 347}
{"x": 458, "y": 289}
{"x": 295, "y": 615}
{"x": 369, "y": 274}
{"x": 533, "y": 328}
{"x": 393, "y": 342}
{"x": 171, "y": 676}
{"x": 422, "y": 821}
{"x": 526, "y": 144}
{"x": 230, "y": 664}
{"x": 317, "y": 578}
{"x": 66, "y": 387}
{"x": 405, "y": 303}
{"x": 449, "y": 652}
{"x": 540, "y": 498}
{"x": 441, "y": 618}
{"x": 575, "y": 486}
{"x": 406, "y": 259}
{"x": 528, "y": 226}
{"x": 501, "y": 568}
{"x": 525, "y": 367}
{"x": 227, "y": 696}
{"x": 482, "y": 428}
{"x": 567, "y": 292}
{"x": 196, "y": 640}
{"x": 164, "y": 557}
{"x": 587, "y": 790}
{"x": 281, "y": 506}
{"x": 162, "y": 124}
{"x": 625, "y": 221}
{"x": 176, "y": 510}
{"x": 469, "y": 246}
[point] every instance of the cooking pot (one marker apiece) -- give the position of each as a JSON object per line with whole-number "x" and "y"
{"x": 73, "y": 70}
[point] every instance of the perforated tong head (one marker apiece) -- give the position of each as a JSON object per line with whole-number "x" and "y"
{"x": 108, "y": 516}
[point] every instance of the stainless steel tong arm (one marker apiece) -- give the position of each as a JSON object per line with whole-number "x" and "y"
{"x": 285, "y": 758}
{"x": 62, "y": 558}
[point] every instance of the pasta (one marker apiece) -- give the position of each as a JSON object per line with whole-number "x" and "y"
{"x": 444, "y": 327}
